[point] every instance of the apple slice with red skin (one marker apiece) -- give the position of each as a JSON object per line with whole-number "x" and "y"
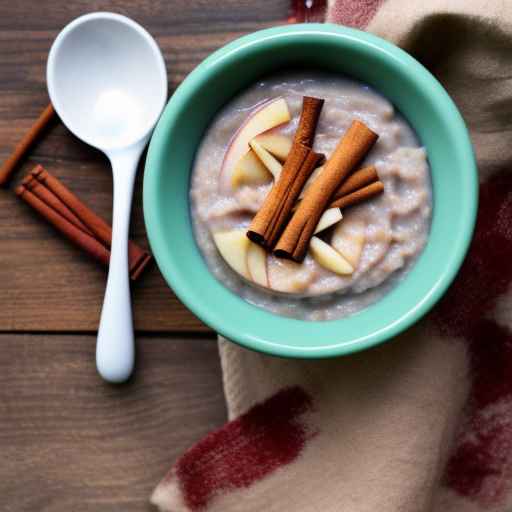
{"x": 267, "y": 115}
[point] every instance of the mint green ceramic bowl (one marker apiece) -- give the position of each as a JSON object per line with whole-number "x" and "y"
{"x": 391, "y": 71}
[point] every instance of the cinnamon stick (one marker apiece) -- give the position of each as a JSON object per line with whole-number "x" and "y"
{"x": 359, "y": 196}
{"x": 351, "y": 149}
{"x": 269, "y": 222}
{"x": 98, "y": 227}
{"x": 53, "y": 201}
{"x": 74, "y": 219}
{"x": 26, "y": 142}
{"x": 265, "y": 221}
{"x": 357, "y": 180}
{"x": 86, "y": 242}
{"x": 283, "y": 212}
{"x": 311, "y": 109}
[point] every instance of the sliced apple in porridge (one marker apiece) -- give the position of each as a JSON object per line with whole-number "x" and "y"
{"x": 266, "y": 158}
{"x": 250, "y": 171}
{"x": 257, "y": 264}
{"x": 268, "y": 115}
{"x": 329, "y": 218}
{"x": 329, "y": 258}
{"x": 233, "y": 246}
{"x": 278, "y": 145}
{"x": 349, "y": 238}
{"x": 289, "y": 277}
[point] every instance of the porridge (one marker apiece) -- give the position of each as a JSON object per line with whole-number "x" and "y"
{"x": 310, "y": 196}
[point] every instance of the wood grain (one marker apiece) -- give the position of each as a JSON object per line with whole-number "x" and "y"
{"x": 70, "y": 442}
{"x": 45, "y": 284}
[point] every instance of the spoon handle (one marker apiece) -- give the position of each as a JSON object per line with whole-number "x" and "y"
{"x": 115, "y": 351}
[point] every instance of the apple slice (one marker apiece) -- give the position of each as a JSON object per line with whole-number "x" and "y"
{"x": 257, "y": 264}
{"x": 267, "y": 115}
{"x": 269, "y": 161}
{"x": 250, "y": 171}
{"x": 329, "y": 258}
{"x": 288, "y": 276}
{"x": 328, "y": 219}
{"x": 278, "y": 145}
{"x": 233, "y": 247}
{"x": 349, "y": 239}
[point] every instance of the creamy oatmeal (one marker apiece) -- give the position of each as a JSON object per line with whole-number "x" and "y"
{"x": 379, "y": 239}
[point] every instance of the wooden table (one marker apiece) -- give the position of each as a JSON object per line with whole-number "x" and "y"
{"x": 68, "y": 441}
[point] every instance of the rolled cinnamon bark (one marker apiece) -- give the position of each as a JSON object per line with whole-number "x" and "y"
{"x": 269, "y": 222}
{"x": 52, "y": 200}
{"x": 351, "y": 149}
{"x": 26, "y": 142}
{"x": 86, "y": 242}
{"x": 95, "y": 224}
{"x": 356, "y": 181}
{"x": 311, "y": 109}
{"x": 359, "y": 196}
{"x": 267, "y": 225}
{"x": 57, "y": 204}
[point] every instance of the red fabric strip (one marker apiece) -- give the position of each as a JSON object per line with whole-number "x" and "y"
{"x": 481, "y": 466}
{"x": 270, "y": 435}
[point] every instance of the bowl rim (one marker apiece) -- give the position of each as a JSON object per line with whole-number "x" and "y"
{"x": 266, "y": 343}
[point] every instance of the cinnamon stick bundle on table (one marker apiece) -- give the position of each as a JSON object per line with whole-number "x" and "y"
{"x": 59, "y": 206}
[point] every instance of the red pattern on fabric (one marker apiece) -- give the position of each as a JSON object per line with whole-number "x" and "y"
{"x": 482, "y": 460}
{"x": 307, "y": 11}
{"x": 354, "y": 13}
{"x": 487, "y": 270}
{"x": 267, "y": 437}
{"x": 481, "y": 466}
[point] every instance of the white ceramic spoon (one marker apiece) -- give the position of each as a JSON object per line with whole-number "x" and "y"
{"x": 108, "y": 83}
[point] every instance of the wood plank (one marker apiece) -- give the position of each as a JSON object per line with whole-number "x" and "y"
{"x": 71, "y": 442}
{"x": 45, "y": 284}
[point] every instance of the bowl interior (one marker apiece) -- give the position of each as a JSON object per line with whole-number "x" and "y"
{"x": 394, "y": 74}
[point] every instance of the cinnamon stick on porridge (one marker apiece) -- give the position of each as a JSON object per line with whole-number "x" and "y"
{"x": 351, "y": 149}
{"x": 358, "y": 196}
{"x": 357, "y": 180}
{"x": 268, "y": 224}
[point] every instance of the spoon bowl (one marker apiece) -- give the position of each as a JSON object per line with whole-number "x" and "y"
{"x": 107, "y": 80}
{"x": 108, "y": 83}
